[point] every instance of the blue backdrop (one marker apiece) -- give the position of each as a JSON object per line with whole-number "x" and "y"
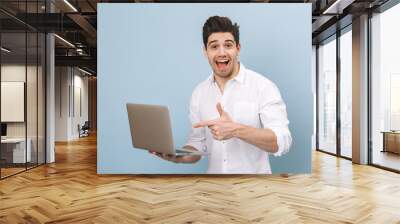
{"x": 152, "y": 53}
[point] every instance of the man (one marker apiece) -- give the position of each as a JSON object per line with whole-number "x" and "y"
{"x": 238, "y": 115}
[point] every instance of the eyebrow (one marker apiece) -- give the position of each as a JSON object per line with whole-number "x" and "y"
{"x": 211, "y": 42}
{"x": 216, "y": 41}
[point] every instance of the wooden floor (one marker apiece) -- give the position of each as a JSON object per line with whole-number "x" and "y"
{"x": 387, "y": 159}
{"x": 70, "y": 191}
{"x": 5, "y": 172}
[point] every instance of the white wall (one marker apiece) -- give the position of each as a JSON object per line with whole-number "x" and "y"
{"x": 62, "y": 80}
{"x": 79, "y": 110}
{"x": 70, "y": 84}
{"x": 15, "y": 72}
{"x": 33, "y": 127}
{"x": 12, "y": 73}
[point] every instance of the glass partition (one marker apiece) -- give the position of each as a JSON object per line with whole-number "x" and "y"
{"x": 13, "y": 105}
{"x": 385, "y": 89}
{"x": 346, "y": 93}
{"x": 41, "y": 87}
{"x": 32, "y": 95}
{"x": 327, "y": 96}
{"x": 22, "y": 77}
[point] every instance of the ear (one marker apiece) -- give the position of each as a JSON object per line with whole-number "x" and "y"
{"x": 238, "y": 47}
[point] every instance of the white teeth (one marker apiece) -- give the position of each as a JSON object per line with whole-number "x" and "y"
{"x": 222, "y": 61}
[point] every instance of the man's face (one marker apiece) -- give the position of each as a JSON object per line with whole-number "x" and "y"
{"x": 222, "y": 53}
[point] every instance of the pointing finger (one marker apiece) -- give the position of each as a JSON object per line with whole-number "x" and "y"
{"x": 205, "y": 123}
{"x": 220, "y": 110}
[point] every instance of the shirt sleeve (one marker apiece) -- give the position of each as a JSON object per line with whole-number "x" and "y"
{"x": 197, "y": 136}
{"x": 273, "y": 115}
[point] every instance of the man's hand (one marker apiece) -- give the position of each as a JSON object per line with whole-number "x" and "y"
{"x": 179, "y": 159}
{"x": 222, "y": 128}
{"x": 171, "y": 158}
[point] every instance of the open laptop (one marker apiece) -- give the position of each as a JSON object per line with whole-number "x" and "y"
{"x": 151, "y": 129}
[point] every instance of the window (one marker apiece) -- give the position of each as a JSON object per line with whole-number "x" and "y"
{"x": 327, "y": 96}
{"x": 385, "y": 89}
{"x": 346, "y": 93}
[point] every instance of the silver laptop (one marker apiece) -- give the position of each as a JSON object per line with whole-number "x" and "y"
{"x": 151, "y": 129}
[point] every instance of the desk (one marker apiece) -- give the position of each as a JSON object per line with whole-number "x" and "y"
{"x": 15, "y": 148}
{"x": 391, "y": 141}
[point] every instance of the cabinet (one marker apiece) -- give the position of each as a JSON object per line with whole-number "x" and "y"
{"x": 391, "y": 141}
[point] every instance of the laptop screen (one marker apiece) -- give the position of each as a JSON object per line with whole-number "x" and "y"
{"x": 3, "y": 129}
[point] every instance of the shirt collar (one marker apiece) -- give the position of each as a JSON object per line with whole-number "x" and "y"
{"x": 240, "y": 76}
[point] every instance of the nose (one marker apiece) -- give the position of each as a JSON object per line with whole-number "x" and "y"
{"x": 221, "y": 51}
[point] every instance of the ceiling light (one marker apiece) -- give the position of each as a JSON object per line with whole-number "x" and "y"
{"x": 84, "y": 71}
{"x": 331, "y": 7}
{"x": 70, "y": 5}
{"x": 65, "y": 41}
{"x": 338, "y": 6}
{"x": 79, "y": 51}
{"x": 5, "y": 50}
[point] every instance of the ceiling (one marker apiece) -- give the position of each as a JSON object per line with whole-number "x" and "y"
{"x": 76, "y": 22}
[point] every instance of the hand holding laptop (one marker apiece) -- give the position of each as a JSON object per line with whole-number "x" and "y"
{"x": 178, "y": 158}
{"x": 171, "y": 158}
{"x": 158, "y": 141}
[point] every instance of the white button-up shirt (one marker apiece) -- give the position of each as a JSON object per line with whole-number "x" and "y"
{"x": 249, "y": 99}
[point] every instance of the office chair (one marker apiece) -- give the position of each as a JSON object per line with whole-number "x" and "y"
{"x": 84, "y": 130}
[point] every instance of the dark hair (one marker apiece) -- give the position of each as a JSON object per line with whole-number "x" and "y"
{"x": 216, "y": 24}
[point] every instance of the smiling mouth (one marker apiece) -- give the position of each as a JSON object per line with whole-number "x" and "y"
{"x": 222, "y": 64}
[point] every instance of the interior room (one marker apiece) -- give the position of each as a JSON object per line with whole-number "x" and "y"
{"x": 51, "y": 83}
